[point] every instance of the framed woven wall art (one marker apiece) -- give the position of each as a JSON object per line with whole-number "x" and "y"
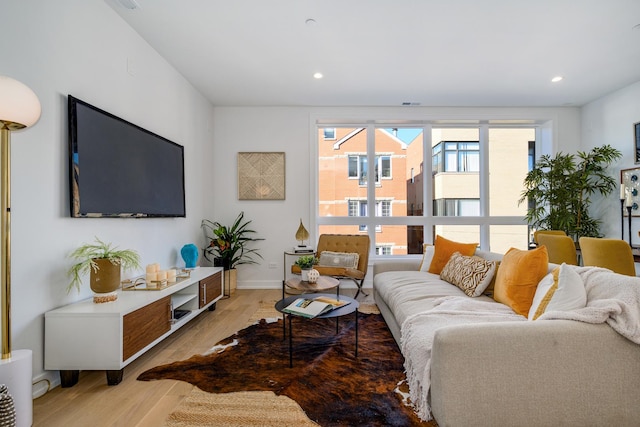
{"x": 261, "y": 176}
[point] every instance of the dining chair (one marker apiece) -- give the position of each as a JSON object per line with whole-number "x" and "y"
{"x": 614, "y": 254}
{"x": 541, "y": 232}
{"x": 561, "y": 248}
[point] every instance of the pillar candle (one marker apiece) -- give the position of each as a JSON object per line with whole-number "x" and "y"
{"x": 162, "y": 275}
{"x": 629, "y": 200}
{"x": 622, "y": 192}
{"x": 151, "y": 278}
{"x": 171, "y": 275}
{"x": 152, "y": 268}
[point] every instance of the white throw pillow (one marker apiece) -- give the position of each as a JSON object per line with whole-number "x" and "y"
{"x": 339, "y": 259}
{"x": 429, "y": 250}
{"x": 560, "y": 290}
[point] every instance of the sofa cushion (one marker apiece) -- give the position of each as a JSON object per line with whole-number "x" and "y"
{"x": 472, "y": 274}
{"x": 560, "y": 290}
{"x": 339, "y": 259}
{"x": 444, "y": 248}
{"x": 518, "y": 277}
{"x": 427, "y": 257}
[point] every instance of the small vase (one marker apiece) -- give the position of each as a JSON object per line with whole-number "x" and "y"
{"x": 305, "y": 275}
{"x": 189, "y": 255}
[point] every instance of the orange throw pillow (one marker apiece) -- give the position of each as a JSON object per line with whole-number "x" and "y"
{"x": 518, "y": 277}
{"x": 444, "y": 249}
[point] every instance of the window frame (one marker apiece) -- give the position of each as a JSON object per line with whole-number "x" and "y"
{"x": 544, "y": 128}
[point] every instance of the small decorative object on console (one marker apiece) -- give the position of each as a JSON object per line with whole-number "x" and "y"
{"x": 189, "y": 254}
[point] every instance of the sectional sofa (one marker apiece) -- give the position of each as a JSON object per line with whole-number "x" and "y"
{"x": 487, "y": 365}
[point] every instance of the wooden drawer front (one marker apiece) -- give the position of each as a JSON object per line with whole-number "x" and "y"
{"x": 145, "y": 325}
{"x": 210, "y": 288}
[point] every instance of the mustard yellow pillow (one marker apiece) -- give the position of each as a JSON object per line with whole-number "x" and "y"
{"x": 444, "y": 249}
{"x": 518, "y": 277}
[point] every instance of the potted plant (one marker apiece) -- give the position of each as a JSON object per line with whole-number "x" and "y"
{"x": 559, "y": 189}
{"x": 229, "y": 246}
{"x": 306, "y": 263}
{"x": 104, "y": 263}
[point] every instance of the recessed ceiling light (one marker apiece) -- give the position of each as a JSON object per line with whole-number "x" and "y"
{"x": 556, "y": 79}
{"x": 310, "y": 22}
{"x": 317, "y": 75}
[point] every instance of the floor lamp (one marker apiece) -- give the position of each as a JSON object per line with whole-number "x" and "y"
{"x": 19, "y": 108}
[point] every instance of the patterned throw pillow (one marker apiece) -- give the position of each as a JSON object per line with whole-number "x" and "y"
{"x": 472, "y": 274}
{"x": 339, "y": 259}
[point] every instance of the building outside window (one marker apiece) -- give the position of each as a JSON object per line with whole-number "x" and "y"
{"x": 462, "y": 182}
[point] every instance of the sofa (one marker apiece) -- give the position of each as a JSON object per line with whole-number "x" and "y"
{"x": 514, "y": 371}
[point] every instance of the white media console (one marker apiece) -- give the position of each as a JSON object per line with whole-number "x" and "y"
{"x": 109, "y": 336}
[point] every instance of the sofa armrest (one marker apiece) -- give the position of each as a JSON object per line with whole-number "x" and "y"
{"x": 382, "y": 265}
{"x": 543, "y": 373}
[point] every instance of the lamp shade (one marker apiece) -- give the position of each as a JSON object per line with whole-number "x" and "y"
{"x": 19, "y": 106}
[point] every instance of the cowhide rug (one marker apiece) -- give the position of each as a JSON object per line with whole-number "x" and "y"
{"x": 331, "y": 385}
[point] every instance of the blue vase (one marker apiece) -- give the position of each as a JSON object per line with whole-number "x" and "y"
{"x": 189, "y": 255}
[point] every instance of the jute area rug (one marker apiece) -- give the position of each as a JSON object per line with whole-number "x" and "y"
{"x": 245, "y": 379}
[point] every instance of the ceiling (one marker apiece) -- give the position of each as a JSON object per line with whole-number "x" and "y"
{"x": 478, "y": 53}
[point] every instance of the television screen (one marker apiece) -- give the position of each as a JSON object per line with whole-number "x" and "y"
{"x": 118, "y": 169}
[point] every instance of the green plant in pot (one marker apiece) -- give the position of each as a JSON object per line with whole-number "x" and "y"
{"x": 229, "y": 246}
{"x": 559, "y": 190}
{"x": 306, "y": 263}
{"x": 103, "y": 262}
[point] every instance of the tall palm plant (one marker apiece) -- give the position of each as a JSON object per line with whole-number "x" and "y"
{"x": 559, "y": 190}
{"x": 228, "y": 244}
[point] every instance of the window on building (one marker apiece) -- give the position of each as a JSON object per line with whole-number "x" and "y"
{"x": 384, "y": 250}
{"x": 462, "y": 156}
{"x": 360, "y": 208}
{"x": 358, "y": 168}
{"x": 329, "y": 134}
{"x": 456, "y": 207}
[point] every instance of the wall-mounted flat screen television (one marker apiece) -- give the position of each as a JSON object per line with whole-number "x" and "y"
{"x": 118, "y": 169}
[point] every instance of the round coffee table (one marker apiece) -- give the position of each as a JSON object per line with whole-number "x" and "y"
{"x": 323, "y": 284}
{"x": 336, "y": 313}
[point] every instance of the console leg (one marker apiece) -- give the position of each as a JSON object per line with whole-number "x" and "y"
{"x": 114, "y": 377}
{"x": 212, "y": 307}
{"x": 69, "y": 378}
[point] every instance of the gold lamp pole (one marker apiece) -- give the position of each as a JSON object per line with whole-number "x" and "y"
{"x": 19, "y": 108}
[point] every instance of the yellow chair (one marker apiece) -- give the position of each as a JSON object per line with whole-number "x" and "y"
{"x": 350, "y": 243}
{"x": 561, "y": 248}
{"x": 614, "y": 254}
{"x": 553, "y": 232}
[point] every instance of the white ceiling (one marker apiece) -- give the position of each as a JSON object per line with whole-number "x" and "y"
{"x": 386, "y": 52}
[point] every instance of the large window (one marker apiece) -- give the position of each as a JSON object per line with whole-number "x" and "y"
{"x": 460, "y": 181}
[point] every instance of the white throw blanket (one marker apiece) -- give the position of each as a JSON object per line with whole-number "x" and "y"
{"x": 417, "y": 338}
{"x": 611, "y": 298}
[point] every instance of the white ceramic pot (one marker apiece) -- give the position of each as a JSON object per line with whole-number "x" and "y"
{"x": 305, "y": 275}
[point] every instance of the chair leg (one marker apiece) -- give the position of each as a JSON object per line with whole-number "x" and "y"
{"x": 359, "y": 285}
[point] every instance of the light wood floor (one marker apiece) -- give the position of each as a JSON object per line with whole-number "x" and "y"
{"x": 140, "y": 403}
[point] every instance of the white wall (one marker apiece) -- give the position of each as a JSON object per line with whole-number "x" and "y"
{"x": 83, "y": 48}
{"x": 609, "y": 120}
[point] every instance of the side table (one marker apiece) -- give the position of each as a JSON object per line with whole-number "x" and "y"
{"x": 324, "y": 283}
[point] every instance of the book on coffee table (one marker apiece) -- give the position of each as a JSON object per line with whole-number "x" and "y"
{"x": 313, "y": 307}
